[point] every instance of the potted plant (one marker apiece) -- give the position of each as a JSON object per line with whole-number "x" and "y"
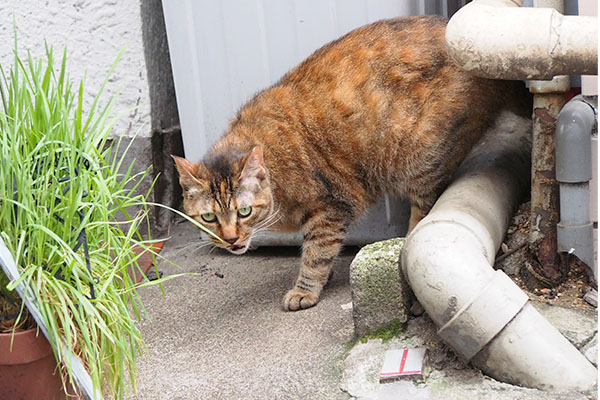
{"x": 72, "y": 218}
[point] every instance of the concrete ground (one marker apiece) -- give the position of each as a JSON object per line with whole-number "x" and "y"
{"x": 229, "y": 338}
{"x": 450, "y": 377}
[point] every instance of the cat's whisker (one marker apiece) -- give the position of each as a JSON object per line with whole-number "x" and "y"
{"x": 264, "y": 227}
{"x": 259, "y": 234}
{"x": 212, "y": 249}
{"x": 261, "y": 225}
{"x": 203, "y": 245}
{"x": 187, "y": 247}
{"x": 267, "y": 227}
{"x": 269, "y": 221}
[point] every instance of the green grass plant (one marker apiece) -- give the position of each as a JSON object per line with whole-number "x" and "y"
{"x": 60, "y": 179}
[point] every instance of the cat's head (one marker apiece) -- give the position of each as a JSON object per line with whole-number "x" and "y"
{"x": 229, "y": 193}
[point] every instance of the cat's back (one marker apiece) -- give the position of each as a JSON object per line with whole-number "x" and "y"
{"x": 409, "y": 44}
{"x": 382, "y": 108}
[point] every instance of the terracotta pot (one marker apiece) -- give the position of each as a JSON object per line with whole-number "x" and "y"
{"x": 29, "y": 371}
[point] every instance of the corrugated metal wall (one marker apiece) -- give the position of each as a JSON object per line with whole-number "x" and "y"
{"x": 223, "y": 52}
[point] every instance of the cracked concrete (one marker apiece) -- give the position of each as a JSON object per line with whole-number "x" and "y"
{"x": 450, "y": 378}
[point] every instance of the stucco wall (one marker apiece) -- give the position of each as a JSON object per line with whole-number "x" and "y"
{"x": 94, "y": 31}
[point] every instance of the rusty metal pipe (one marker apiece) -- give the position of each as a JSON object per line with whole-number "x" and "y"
{"x": 546, "y": 265}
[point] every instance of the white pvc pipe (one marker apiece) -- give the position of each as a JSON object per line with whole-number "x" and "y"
{"x": 448, "y": 258}
{"x": 492, "y": 40}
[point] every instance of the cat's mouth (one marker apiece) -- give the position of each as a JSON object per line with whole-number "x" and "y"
{"x": 238, "y": 248}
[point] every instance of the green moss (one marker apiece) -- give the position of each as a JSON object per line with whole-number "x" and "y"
{"x": 393, "y": 329}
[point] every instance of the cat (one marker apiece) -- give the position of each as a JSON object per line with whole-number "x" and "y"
{"x": 380, "y": 110}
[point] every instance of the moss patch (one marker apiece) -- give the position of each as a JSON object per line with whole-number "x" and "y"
{"x": 385, "y": 333}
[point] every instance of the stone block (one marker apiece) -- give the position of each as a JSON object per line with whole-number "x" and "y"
{"x": 379, "y": 295}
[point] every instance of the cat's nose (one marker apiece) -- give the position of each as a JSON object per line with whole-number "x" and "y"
{"x": 231, "y": 240}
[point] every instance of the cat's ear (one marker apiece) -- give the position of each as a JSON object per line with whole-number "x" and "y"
{"x": 254, "y": 170}
{"x": 188, "y": 172}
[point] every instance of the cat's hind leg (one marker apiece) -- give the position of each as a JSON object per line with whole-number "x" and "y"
{"x": 323, "y": 237}
{"x": 416, "y": 215}
{"x": 419, "y": 208}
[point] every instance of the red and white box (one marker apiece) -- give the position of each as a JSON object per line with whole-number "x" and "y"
{"x": 401, "y": 363}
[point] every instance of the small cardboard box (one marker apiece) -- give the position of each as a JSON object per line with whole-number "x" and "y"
{"x": 404, "y": 363}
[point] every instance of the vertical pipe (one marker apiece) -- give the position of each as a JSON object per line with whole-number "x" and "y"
{"x": 548, "y": 100}
{"x": 545, "y": 263}
{"x": 574, "y": 171}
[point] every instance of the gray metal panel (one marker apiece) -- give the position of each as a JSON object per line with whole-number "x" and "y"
{"x": 223, "y": 52}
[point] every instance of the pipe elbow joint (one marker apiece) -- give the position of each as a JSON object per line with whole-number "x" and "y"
{"x": 574, "y": 141}
{"x": 452, "y": 279}
{"x": 482, "y": 314}
{"x": 448, "y": 258}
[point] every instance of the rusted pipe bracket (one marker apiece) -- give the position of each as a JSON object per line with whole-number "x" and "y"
{"x": 558, "y": 84}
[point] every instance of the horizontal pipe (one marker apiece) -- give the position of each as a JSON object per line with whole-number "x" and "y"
{"x": 495, "y": 41}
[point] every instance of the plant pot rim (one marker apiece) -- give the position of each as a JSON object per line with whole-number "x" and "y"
{"x": 27, "y": 346}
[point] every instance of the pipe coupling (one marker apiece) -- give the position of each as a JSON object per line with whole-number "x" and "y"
{"x": 478, "y": 322}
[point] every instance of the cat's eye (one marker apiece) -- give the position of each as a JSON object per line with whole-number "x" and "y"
{"x": 244, "y": 211}
{"x": 209, "y": 217}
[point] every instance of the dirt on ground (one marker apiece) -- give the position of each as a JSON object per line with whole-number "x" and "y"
{"x": 512, "y": 258}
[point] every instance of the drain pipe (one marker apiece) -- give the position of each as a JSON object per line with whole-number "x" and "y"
{"x": 574, "y": 127}
{"x": 538, "y": 43}
{"x": 448, "y": 259}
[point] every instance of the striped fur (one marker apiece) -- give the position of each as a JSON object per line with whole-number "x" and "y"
{"x": 381, "y": 109}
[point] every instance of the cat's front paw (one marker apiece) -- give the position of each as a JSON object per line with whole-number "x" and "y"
{"x": 297, "y": 299}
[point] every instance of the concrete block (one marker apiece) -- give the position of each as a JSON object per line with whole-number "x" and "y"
{"x": 379, "y": 294}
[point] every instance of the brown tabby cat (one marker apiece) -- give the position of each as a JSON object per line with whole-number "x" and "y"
{"x": 381, "y": 109}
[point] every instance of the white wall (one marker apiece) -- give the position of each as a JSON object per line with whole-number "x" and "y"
{"x": 94, "y": 31}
